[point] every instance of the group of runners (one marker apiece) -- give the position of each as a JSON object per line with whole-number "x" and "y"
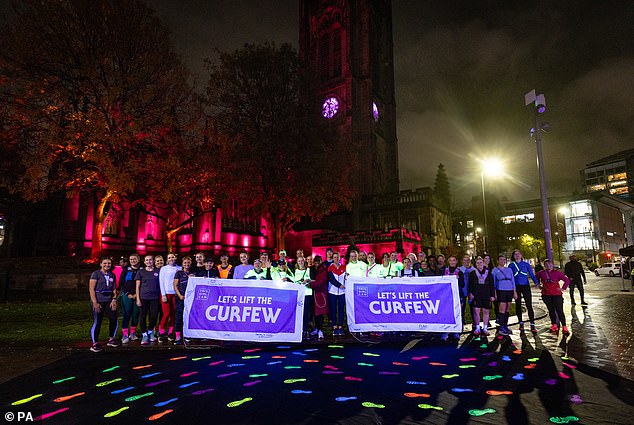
{"x": 150, "y": 290}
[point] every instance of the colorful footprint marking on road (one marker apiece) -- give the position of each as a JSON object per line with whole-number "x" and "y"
{"x": 239, "y": 402}
{"x": 26, "y": 400}
{"x": 116, "y": 412}
{"x": 481, "y": 412}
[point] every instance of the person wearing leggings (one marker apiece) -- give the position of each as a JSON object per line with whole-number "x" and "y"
{"x": 103, "y": 300}
{"x": 148, "y": 298}
{"x": 521, "y": 272}
{"x": 127, "y": 297}
{"x": 181, "y": 277}
{"x": 168, "y": 301}
{"x": 552, "y": 294}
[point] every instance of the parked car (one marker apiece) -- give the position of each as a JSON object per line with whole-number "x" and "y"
{"x": 609, "y": 269}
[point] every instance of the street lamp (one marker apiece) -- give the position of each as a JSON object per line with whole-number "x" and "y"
{"x": 475, "y": 241}
{"x": 539, "y": 102}
{"x": 492, "y": 167}
{"x": 561, "y": 211}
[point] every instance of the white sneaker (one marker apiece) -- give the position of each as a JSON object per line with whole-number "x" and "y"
{"x": 133, "y": 336}
{"x": 314, "y": 332}
{"x": 125, "y": 340}
{"x": 320, "y": 335}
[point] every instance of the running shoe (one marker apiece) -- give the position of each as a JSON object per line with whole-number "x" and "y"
{"x": 145, "y": 340}
{"x": 151, "y": 336}
{"x": 178, "y": 342}
{"x": 320, "y": 335}
{"x": 113, "y": 342}
{"x": 533, "y": 328}
{"x": 133, "y": 336}
{"x": 554, "y": 328}
{"x": 315, "y": 332}
{"x": 96, "y": 348}
{"x": 171, "y": 337}
{"x": 521, "y": 326}
{"x": 162, "y": 339}
{"x": 565, "y": 330}
{"x": 125, "y": 340}
{"x": 485, "y": 331}
{"x": 476, "y": 331}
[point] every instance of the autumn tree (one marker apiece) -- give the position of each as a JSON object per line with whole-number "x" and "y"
{"x": 289, "y": 158}
{"x": 532, "y": 247}
{"x": 195, "y": 187}
{"x": 95, "y": 97}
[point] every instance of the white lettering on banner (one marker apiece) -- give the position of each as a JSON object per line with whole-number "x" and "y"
{"x": 223, "y": 313}
{"x": 406, "y": 307}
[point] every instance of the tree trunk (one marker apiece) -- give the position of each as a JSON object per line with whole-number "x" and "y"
{"x": 277, "y": 231}
{"x": 99, "y": 219}
{"x": 168, "y": 239}
{"x": 280, "y": 242}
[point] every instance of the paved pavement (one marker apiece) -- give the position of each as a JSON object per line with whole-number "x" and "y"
{"x": 602, "y": 333}
{"x": 586, "y": 377}
{"x": 605, "y": 330}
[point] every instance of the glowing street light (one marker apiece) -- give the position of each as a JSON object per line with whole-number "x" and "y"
{"x": 491, "y": 167}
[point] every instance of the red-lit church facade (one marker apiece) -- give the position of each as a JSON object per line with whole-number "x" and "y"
{"x": 142, "y": 229}
{"x": 413, "y": 222}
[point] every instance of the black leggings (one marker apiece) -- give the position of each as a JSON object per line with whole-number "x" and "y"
{"x": 555, "y": 304}
{"x": 319, "y": 322}
{"x": 579, "y": 285}
{"x": 308, "y": 311}
{"x": 178, "y": 318}
{"x": 524, "y": 291}
{"x": 98, "y": 318}
{"x": 152, "y": 307}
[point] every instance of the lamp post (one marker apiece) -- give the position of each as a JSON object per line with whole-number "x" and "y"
{"x": 561, "y": 211}
{"x": 539, "y": 101}
{"x": 484, "y": 207}
{"x": 492, "y": 167}
{"x": 475, "y": 241}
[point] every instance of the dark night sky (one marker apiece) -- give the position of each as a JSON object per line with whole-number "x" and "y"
{"x": 462, "y": 68}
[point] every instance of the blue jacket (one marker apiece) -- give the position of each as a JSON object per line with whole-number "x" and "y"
{"x": 521, "y": 272}
{"x": 503, "y": 279}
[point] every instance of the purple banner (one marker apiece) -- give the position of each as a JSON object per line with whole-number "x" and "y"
{"x": 403, "y": 304}
{"x": 243, "y": 310}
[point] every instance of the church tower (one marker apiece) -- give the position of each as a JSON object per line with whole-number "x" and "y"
{"x": 346, "y": 47}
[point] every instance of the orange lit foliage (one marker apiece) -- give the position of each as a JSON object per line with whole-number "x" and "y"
{"x": 95, "y": 103}
{"x": 290, "y": 165}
